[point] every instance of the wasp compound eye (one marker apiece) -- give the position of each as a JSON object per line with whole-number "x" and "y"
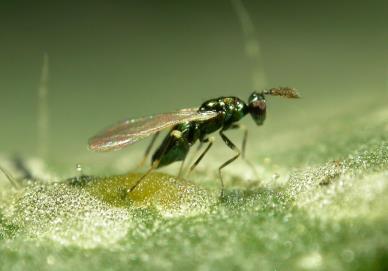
{"x": 257, "y": 107}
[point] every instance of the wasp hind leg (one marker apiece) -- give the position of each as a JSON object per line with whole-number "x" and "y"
{"x": 148, "y": 150}
{"x": 175, "y": 134}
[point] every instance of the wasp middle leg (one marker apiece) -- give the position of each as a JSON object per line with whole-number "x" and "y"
{"x": 210, "y": 140}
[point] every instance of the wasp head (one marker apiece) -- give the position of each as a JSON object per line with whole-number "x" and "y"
{"x": 257, "y": 107}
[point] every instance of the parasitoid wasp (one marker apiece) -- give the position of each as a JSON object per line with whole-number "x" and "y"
{"x": 187, "y": 127}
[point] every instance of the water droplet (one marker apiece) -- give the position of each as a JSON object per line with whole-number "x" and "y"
{"x": 275, "y": 176}
{"x": 78, "y": 168}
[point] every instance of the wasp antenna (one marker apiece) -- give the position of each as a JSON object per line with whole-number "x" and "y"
{"x": 282, "y": 91}
{"x": 10, "y": 178}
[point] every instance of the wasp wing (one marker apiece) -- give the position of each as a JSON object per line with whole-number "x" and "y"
{"x": 130, "y": 131}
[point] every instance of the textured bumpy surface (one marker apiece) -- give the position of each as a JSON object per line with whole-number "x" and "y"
{"x": 319, "y": 203}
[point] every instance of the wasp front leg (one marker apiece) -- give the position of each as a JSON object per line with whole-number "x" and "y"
{"x": 243, "y": 146}
{"x": 231, "y": 145}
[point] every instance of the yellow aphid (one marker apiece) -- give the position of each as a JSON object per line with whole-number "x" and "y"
{"x": 164, "y": 192}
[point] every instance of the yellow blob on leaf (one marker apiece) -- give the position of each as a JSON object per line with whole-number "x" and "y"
{"x": 159, "y": 190}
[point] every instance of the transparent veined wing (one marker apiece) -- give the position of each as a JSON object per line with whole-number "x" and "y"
{"x": 130, "y": 131}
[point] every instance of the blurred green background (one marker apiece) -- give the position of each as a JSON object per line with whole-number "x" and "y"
{"x": 109, "y": 60}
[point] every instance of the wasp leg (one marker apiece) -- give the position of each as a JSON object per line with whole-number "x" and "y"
{"x": 245, "y": 137}
{"x": 233, "y": 147}
{"x": 21, "y": 166}
{"x": 155, "y": 164}
{"x": 243, "y": 146}
{"x": 194, "y": 165}
{"x": 148, "y": 150}
{"x": 181, "y": 168}
{"x": 192, "y": 157}
{"x": 10, "y": 178}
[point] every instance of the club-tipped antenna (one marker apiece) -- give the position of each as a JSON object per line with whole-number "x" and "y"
{"x": 282, "y": 91}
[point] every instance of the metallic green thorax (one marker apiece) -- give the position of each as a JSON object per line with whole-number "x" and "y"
{"x": 172, "y": 149}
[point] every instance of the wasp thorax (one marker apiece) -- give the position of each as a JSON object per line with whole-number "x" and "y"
{"x": 257, "y": 107}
